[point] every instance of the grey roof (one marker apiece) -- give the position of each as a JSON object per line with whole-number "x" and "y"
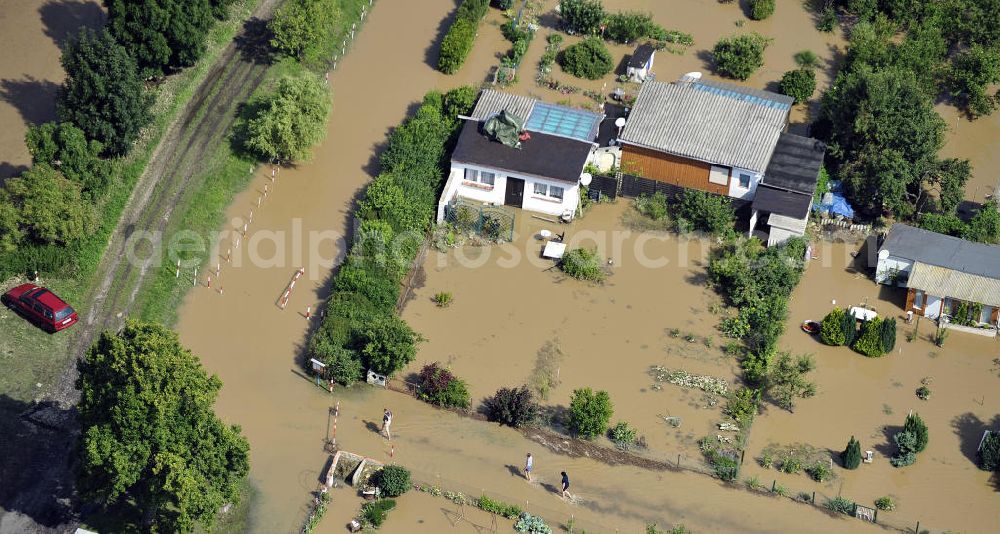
{"x": 795, "y": 163}
{"x": 713, "y": 122}
{"x": 782, "y": 202}
{"x": 544, "y": 156}
{"x": 492, "y": 102}
{"x": 946, "y": 282}
{"x": 641, "y": 56}
{"x": 932, "y": 248}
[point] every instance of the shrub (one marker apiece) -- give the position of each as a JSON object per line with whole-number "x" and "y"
{"x": 374, "y": 513}
{"x": 743, "y": 405}
{"x": 707, "y": 212}
{"x": 588, "y": 59}
{"x": 832, "y": 328}
{"x": 841, "y": 505}
{"x": 791, "y": 465}
{"x": 583, "y": 264}
{"x": 761, "y": 9}
{"x": 906, "y": 443}
{"x": 439, "y": 386}
{"x": 66, "y": 147}
{"x": 510, "y": 511}
{"x": 819, "y": 471}
{"x": 806, "y": 59}
{"x": 392, "y": 480}
{"x": 786, "y": 381}
{"x": 653, "y": 206}
{"x": 726, "y": 468}
{"x": 443, "y": 299}
{"x": 851, "y": 457}
{"x": 739, "y": 56}
{"x": 43, "y": 207}
{"x": 388, "y": 344}
{"x": 532, "y": 524}
{"x": 827, "y": 19}
{"x": 503, "y": 5}
{"x": 581, "y": 16}
{"x": 756, "y": 366}
{"x": 458, "y": 40}
{"x": 300, "y": 27}
{"x": 514, "y": 407}
{"x": 623, "y": 435}
{"x": 915, "y": 425}
{"x": 590, "y": 412}
{"x": 923, "y": 392}
{"x": 628, "y": 26}
{"x": 885, "y": 503}
{"x": 989, "y": 454}
{"x": 286, "y": 123}
{"x": 800, "y": 84}
{"x": 869, "y": 342}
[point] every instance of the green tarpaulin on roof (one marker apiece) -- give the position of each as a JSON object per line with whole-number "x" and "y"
{"x": 504, "y": 127}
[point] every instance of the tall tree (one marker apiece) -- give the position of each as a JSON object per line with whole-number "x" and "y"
{"x": 289, "y": 121}
{"x": 151, "y": 443}
{"x": 162, "y": 34}
{"x": 47, "y": 208}
{"x": 984, "y": 226}
{"x": 299, "y": 26}
{"x": 65, "y": 147}
{"x": 102, "y": 94}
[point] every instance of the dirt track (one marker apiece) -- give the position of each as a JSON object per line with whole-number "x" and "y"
{"x": 35, "y": 461}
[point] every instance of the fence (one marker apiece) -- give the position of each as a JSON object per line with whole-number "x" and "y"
{"x": 490, "y": 222}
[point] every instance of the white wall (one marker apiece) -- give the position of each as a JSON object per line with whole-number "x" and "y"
{"x": 932, "y": 306}
{"x": 890, "y": 264}
{"x": 776, "y": 236}
{"x": 745, "y": 193}
{"x": 457, "y": 185}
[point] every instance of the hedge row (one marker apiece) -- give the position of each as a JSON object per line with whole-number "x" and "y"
{"x": 458, "y": 41}
{"x": 360, "y": 329}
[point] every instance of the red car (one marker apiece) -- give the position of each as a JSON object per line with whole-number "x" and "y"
{"x": 41, "y": 306}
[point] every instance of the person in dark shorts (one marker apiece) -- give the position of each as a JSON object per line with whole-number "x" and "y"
{"x": 565, "y": 485}
{"x": 386, "y": 421}
{"x": 529, "y": 464}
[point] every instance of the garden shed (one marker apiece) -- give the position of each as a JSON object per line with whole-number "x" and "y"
{"x": 640, "y": 64}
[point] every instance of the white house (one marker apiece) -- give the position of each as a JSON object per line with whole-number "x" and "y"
{"x": 640, "y": 64}
{"x": 540, "y": 173}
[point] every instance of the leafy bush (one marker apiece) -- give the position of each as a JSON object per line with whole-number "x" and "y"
{"x": 458, "y": 40}
{"x": 653, "y": 206}
{"x": 725, "y": 468}
{"x": 806, "y": 59}
{"x": 510, "y": 511}
{"x": 623, "y": 435}
{"x": 66, "y": 147}
{"x": 374, "y": 513}
{"x": 761, "y": 9}
{"x": 443, "y": 299}
{"x": 42, "y": 207}
{"x": 831, "y": 329}
{"x": 589, "y": 412}
{"x": 915, "y": 425}
{"x": 627, "y": 26}
{"x": 827, "y": 20}
{"x": 756, "y": 366}
{"x": 923, "y": 392}
{"x": 869, "y": 342}
{"x": 800, "y": 84}
{"x": 851, "y": 457}
{"x": 786, "y": 380}
{"x": 286, "y": 123}
{"x": 707, "y": 212}
{"x": 392, "y": 480}
{"x": 743, "y": 405}
{"x": 588, "y": 59}
{"x": 583, "y": 264}
{"x": 791, "y": 465}
{"x": 989, "y": 454}
{"x": 439, "y": 386}
{"x": 885, "y": 503}
{"x": 841, "y": 505}
{"x": 299, "y": 27}
{"x": 581, "y": 16}
{"x": 739, "y": 56}
{"x": 388, "y": 344}
{"x": 514, "y": 407}
{"x": 819, "y": 471}
{"x": 532, "y": 524}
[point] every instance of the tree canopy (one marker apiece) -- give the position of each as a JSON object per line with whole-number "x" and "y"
{"x": 286, "y": 123}
{"x": 299, "y": 26}
{"x": 589, "y": 59}
{"x": 65, "y": 147}
{"x": 43, "y": 207}
{"x": 162, "y": 34}
{"x": 102, "y": 94}
{"x": 739, "y": 56}
{"x": 151, "y": 443}
{"x": 582, "y": 16}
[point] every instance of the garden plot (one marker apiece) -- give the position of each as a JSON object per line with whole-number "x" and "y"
{"x": 515, "y": 319}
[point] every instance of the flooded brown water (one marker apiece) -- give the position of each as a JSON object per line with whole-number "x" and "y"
{"x": 241, "y": 335}
{"x": 31, "y": 34}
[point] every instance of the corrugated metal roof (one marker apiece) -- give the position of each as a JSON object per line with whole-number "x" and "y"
{"x": 945, "y": 282}
{"x": 932, "y": 248}
{"x": 788, "y": 223}
{"x": 713, "y": 122}
{"x": 492, "y": 102}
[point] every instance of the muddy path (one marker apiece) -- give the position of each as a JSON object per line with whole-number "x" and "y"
{"x": 39, "y": 498}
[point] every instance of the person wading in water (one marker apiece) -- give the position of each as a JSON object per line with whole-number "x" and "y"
{"x": 386, "y": 421}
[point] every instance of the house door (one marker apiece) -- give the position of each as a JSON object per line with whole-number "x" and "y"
{"x": 515, "y": 192}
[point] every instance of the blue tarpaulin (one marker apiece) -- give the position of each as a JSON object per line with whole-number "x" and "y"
{"x": 839, "y": 205}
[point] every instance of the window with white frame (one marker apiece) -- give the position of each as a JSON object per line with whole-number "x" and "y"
{"x": 482, "y": 177}
{"x": 552, "y": 191}
{"x": 487, "y": 178}
{"x": 471, "y": 175}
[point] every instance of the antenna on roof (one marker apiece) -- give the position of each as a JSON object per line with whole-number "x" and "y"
{"x": 690, "y": 77}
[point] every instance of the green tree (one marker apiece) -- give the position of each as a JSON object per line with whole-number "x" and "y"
{"x": 286, "y": 123}
{"x": 150, "y": 442}
{"x": 989, "y": 454}
{"x": 984, "y": 226}
{"x": 707, "y": 212}
{"x": 972, "y": 72}
{"x": 388, "y": 344}
{"x": 49, "y": 208}
{"x": 10, "y": 225}
{"x": 65, "y": 147}
{"x": 581, "y": 16}
{"x": 761, "y": 9}
{"x": 300, "y": 26}
{"x": 786, "y": 380}
{"x": 888, "y": 334}
{"x": 457, "y": 42}
{"x": 161, "y": 34}
{"x": 102, "y": 94}
{"x": 590, "y": 412}
{"x": 739, "y": 56}
{"x": 943, "y": 223}
{"x": 915, "y": 425}
{"x": 869, "y": 341}
{"x": 799, "y": 84}
{"x": 831, "y": 329}
{"x": 588, "y": 59}
{"x": 392, "y": 480}
{"x": 851, "y": 457}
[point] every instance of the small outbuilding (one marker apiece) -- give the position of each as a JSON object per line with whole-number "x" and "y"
{"x": 640, "y": 64}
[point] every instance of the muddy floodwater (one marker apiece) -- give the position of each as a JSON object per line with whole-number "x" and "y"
{"x": 31, "y": 34}
{"x": 608, "y": 335}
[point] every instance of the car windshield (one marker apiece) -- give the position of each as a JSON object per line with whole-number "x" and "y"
{"x": 64, "y": 313}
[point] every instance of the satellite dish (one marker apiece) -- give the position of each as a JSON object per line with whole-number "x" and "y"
{"x": 585, "y": 179}
{"x": 883, "y": 254}
{"x": 620, "y": 122}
